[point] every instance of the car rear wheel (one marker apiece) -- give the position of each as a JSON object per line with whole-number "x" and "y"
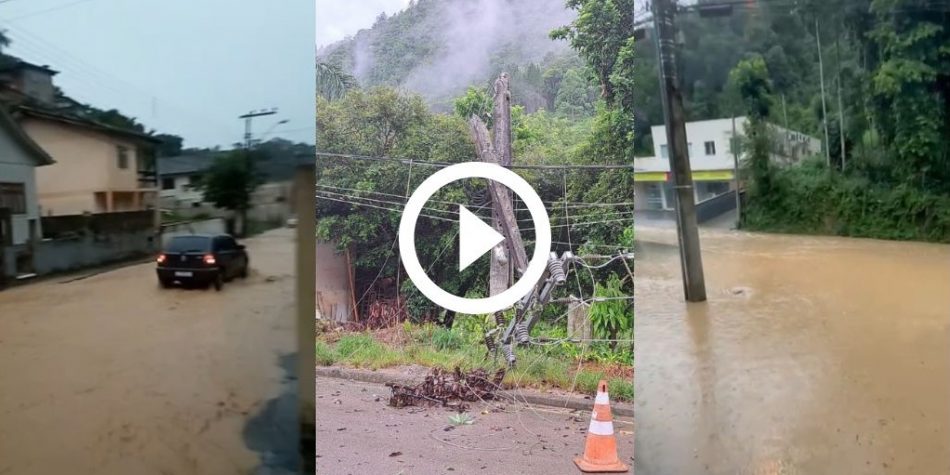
{"x": 243, "y": 273}
{"x": 165, "y": 283}
{"x": 218, "y": 280}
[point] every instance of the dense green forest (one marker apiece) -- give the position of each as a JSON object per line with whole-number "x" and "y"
{"x": 381, "y": 141}
{"x": 438, "y": 48}
{"x": 886, "y": 67}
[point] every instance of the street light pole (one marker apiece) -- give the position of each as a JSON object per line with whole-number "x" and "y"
{"x": 247, "y": 123}
{"x": 690, "y": 257}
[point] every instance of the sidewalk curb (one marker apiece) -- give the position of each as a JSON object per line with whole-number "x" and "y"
{"x": 579, "y": 403}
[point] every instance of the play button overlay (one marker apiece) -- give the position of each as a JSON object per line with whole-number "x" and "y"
{"x": 475, "y": 237}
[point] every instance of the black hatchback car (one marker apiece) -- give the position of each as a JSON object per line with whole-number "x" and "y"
{"x": 202, "y": 260}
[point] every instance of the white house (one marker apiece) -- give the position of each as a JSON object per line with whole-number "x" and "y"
{"x": 711, "y": 160}
{"x": 19, "y": 206}
{"x": 178, "y": 180}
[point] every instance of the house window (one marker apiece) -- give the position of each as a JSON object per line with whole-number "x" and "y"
{"x": 122, "y": 157}
{"x": 710, "y": 148}
{"x": 664, "y": 151}
{"x": 168, "y": 183}
{"x": 13, "y": 196}
{"x": 194, "y": 181}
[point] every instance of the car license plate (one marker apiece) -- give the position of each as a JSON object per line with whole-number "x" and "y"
{"x": 183, "y": 274}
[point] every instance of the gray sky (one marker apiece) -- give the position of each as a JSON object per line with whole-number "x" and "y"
{"x": 179, "y": 66}
{"x": 338, "y": 19}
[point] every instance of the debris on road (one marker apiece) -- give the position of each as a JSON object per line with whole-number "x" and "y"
{"x": 441, "y": 387}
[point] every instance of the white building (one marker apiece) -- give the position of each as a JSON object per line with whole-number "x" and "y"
{"x": 711, "y": 160}
{"x": 179, "y": 179}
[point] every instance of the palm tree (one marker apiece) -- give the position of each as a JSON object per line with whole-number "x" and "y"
{"x": 332, "y": 81}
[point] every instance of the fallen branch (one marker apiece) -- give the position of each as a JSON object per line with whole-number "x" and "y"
{"x": 441, "y": 388}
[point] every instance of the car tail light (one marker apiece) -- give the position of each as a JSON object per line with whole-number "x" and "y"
{"x": 209, "y": 259}
{"x": 160, "y": 259}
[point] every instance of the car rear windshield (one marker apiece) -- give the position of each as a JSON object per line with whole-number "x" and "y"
{"x": 189, "y": 244}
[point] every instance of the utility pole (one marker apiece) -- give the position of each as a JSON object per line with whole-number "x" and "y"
{"x": 788, "y": 150}
{"x": 690, "y": 257}
{"x": 735, "y": 164}
{"x": 824, "y": 108}
{"x": 500, "y": 268}
{"x": 840, "y": 108}
{"x": 248, "y": 162}
{"x": 247, "y": 123}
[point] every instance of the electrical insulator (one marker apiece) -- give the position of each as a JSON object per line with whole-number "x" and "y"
{"x": 521, "y": 332}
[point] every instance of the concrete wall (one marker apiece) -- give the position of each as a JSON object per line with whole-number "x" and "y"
{"x": 17, "y": 167}
{"x": 334, "y": 299}
{"x": 86, "y": 162}
{"x": 271, "y": 202}
{"x": 207, "y": 226}
{"x": 58, "y": 255}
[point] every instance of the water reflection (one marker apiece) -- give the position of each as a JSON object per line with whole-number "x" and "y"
{"x": 812, "y": 355}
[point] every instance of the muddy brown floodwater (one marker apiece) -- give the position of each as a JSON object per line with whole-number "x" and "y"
{"x": 812, "y": 355}
{"x": 113, "y": 375}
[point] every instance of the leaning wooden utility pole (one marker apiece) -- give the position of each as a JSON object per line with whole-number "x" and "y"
{"x": 500, "y": 268}
{"x": 505, "y": 209}
{"x": 691, "y": 261}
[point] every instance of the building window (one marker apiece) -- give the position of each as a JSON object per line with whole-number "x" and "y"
{"x": 13, "y": 196}
{"x": 168, "y": 183}
{"x": 122, "y": 157}
{"x": 710, "y": 148}
{"x": 194, "y": 181}
{"x": 654, "y": 196}
{"x": 664, "y": 151}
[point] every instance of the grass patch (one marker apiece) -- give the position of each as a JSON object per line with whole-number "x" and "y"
{"x": 363, "y": 351}
{"x": 553, "y": 366}
{"x": 326, "y": 355}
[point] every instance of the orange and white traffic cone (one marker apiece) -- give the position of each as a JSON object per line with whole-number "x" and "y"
{"x": 600, "y": 451}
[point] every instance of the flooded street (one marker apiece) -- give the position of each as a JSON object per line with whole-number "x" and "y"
{"x": 813, "y": 355}
{"x": 113, "y": 375}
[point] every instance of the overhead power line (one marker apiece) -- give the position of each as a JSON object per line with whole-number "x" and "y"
{"x": 407, "y": 161}
{"x": 47, "y": 10}
{"x": 554, "y": 204}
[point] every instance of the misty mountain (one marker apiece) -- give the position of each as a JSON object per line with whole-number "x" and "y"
{"x": 437, "y": 48}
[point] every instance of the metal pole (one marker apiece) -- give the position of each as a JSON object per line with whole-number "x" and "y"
{"x": 788, "y": 151}
{"x": 247, "y": 123}
{"x": 691, "y": 261}
{"x": 840, "y": 109}
{"x": 735, "y": 164}
{"x": 824, "y": 108}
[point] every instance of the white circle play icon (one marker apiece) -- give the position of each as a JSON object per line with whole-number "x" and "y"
{"x": 475, "y": 237}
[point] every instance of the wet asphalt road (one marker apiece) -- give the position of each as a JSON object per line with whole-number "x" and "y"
{"x": 358, "y": 434}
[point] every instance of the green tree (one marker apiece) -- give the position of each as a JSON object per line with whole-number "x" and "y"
{"x": 171, "y": 145}
{"x": 603, "y": 35}
{"x": 602, "y": 29}
{"x": 475, "y": 102}
{"x": 332, "y": 81}
{"x": 750, "y": 80}
{"x": 230, "y": 182}
{"x": 572, "y": 98}
{"x": 911, "y": 90}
